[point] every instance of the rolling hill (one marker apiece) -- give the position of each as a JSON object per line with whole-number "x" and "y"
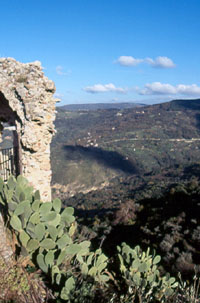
{"x": 96, "y": 106}
{"x": 93, "y": 147}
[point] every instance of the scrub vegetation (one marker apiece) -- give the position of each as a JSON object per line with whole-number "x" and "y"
{"x": 45, "y": 242}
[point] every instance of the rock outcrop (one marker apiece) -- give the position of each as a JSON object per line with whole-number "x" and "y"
{"x": 27, "y": 103}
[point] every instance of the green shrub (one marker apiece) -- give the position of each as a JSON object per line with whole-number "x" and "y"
{"x": 142, "y": 277}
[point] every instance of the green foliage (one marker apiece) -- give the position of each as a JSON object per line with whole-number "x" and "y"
{"x": 140, "y": 272}
{"x": 45, "y": 232}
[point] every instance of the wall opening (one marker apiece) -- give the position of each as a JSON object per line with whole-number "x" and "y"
{"x": 9, "y": 143}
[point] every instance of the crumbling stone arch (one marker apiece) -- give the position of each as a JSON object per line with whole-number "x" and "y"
{"x": 27, "y": 103}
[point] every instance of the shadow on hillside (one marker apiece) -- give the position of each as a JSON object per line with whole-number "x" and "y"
{"x": 192, "y": 171}
{"x": 91, "y": 213}
{"x": 197, "y": 116}
{"x": 186, "y": 104}
{"x": 110, "y": 159}
{"x": 170, "y": 225}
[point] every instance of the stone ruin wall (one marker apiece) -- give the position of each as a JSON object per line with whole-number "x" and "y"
{"x": 26, "y": 100}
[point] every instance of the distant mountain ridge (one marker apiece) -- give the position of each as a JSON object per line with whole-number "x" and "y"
{"x": 191, "y": 104}
{"x": 96, "y": 106}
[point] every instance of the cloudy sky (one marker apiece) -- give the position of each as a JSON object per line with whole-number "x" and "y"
{"x": 108, "y": 50}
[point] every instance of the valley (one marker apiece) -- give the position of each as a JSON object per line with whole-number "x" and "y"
{"x": 133, "y": 175}
{"x": 93, "y": 147}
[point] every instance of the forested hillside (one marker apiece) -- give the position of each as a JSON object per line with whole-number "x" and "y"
{"x": 91, "y": 148}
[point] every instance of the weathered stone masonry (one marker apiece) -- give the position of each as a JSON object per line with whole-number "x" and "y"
{"x": 26, "y": 102}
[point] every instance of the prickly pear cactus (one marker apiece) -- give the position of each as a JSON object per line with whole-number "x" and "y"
{"x": 39, "y": 226}
{"x": 140, "y": 271}
{"x": 45, "y": 231}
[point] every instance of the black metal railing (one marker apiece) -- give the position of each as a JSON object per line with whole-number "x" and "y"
{"x": 7, "y": 162}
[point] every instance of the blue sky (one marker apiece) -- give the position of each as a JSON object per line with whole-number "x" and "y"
{"x": 108, "y": 50}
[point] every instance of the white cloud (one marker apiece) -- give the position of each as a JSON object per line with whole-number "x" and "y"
{"x": 157, "y": 88}
{"x": 160, "y": 62}
{"x": 129, "y": 61}
{"x": 188, "y": 89}
{"x": 101, "y": 88}
{"x": 58, "y": 95}
{"x": 60, "y": 72}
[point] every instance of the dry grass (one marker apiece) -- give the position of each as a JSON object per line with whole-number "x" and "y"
{"x": 19, "y": 286}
